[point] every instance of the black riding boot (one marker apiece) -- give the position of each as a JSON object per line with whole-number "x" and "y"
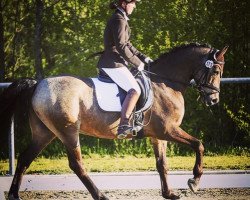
{"x": 127, "y": 107}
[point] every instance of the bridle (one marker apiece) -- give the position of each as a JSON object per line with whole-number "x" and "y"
{"x": 202, "y": 82}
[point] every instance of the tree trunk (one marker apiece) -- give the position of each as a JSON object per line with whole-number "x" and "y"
{"x": 38, "y": 33}
{"x": 2, "y": 56}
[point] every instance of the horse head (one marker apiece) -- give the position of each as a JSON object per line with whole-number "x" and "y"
{"x": 192, "y": 61}
{"x": 208, "y": 77}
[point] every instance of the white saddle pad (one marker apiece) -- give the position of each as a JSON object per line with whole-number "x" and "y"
{"x": 107, "y": 96}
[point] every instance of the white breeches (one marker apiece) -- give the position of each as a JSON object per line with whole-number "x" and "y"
{"x": 123, "y": 77}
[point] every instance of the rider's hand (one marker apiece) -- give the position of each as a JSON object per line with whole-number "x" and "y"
{"x": 148, "y": 60}
{"x": 141, "y": 67}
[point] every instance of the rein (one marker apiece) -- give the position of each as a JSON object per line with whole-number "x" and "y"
{"x": 163, "y": 77}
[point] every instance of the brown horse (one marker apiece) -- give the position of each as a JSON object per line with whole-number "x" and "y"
{"x": 63, "y": 106}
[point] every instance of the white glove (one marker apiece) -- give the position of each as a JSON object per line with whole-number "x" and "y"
{"x": 141, "y": 67}
{"x": 148, "y": 60}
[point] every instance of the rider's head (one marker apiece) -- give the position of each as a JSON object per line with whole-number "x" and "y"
{"x": 127, "y": 5}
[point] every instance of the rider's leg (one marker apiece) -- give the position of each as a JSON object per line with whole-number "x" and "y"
{"x": 127, "y": 109}
{"x": 123, "y": 77}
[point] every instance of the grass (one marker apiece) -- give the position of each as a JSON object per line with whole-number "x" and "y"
{"x": 97, "y": 163}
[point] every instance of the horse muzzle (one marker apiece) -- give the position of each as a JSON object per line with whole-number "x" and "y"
{"x": 211, "y": 99}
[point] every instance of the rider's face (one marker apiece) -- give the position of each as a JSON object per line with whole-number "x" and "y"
{"x": 130, "y": 7}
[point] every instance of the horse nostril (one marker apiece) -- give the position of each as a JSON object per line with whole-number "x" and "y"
{"x": 215, "y": 100}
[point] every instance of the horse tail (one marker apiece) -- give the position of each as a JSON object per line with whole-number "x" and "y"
{"x": 16, "y": 96}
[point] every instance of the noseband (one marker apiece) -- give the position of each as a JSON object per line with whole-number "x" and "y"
{"x": 203, "y": 80}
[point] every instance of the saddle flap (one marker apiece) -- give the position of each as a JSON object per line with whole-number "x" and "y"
{"x": 107, "y": 95}
{"x": 146, "y": 97}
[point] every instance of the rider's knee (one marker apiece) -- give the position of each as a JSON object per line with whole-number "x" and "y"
{"x": 135, "y": 91}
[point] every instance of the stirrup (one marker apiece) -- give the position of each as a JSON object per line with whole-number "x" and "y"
{"x": 136, "y": 129}
{"x": 123, "y": 131}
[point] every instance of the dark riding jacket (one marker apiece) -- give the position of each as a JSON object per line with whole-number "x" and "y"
{"x": 118, "y": 50}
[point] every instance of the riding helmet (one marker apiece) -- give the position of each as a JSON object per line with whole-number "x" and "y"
{"x": 129, "y": 1}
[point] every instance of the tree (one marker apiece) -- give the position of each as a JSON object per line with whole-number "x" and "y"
{"x": 2, "y": 54}
{"x": 38, "y": 39}
{"x": 58, "y": 36}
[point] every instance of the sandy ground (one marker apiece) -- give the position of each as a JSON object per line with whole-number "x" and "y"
{"x": 207, "y": 194}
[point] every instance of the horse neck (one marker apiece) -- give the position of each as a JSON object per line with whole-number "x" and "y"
{"x": 177, "y": 68}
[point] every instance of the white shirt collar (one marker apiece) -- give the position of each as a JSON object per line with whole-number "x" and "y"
{"x": 123, "y": 12}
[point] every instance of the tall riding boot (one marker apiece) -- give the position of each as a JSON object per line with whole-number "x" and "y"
{"x": 127, "y": 109}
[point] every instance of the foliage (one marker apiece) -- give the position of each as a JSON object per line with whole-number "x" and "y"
{"x": 72, "y": 30}
{"x": 114, "y": 163}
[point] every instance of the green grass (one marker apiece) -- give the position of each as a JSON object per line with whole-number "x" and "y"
{"x": 97, "y": 163}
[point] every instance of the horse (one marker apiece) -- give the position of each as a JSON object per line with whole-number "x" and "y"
{"x": 64, "y": 106}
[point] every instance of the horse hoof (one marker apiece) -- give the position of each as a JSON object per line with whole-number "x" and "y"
{"x": 193, "y": 185}
{"x": 11, "y": 197}
{"x": 103, "y": 197}
{"x": 171, "y": 196}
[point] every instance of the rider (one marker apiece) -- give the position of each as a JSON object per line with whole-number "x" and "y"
{"x": 118, "y": 54}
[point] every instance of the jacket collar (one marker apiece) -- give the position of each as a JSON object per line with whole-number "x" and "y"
{"x": 123, "y": 13}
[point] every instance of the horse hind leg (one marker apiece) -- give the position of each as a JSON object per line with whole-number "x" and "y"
{"x": 180, "y": 136}
{"x": 69, "y": 135}
{"x": 75, "y": 163}
{"x": 41, "y": 137}
{"x": 160, "y": 147}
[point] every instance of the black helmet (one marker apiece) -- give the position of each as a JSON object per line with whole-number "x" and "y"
{"x": 114, "y": 4}
{"x": 129, "y": 1}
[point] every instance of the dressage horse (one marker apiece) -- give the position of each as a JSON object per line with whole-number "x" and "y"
{"x": 63, "y": 106}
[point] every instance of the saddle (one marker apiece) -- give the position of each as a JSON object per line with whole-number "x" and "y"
{"x": 110, "y": 96}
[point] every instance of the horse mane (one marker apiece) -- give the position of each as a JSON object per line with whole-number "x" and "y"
{"x": 184, "y": 46}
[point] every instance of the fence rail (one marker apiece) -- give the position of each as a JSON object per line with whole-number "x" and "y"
{"x": 223, "y": 81}
{"x": 231, "y": 80}
{"x": 4, "y": 85}
{"x": 236, "y": 80}
{"x": 11, "y": 132}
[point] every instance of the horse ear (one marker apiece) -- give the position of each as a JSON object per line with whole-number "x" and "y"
{"x": 222, "y": 52}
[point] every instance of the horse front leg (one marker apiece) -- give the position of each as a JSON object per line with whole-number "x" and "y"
{"x": 160, "y": 147}
{"x": 180, "y": 136}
